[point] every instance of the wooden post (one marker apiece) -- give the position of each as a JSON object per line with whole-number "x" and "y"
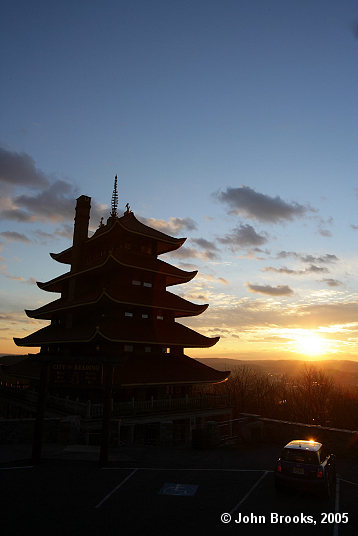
{"x": 41, "y": 408}
{"x": 107, "y": 411}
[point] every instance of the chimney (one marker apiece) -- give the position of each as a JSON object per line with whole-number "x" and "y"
{"x": 80, "y": 232}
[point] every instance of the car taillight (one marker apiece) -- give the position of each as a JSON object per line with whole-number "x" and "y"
{"x": 320, "y": 472}
{"x": 279, "y": 468}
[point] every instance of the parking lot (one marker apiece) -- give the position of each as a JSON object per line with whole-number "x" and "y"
{"x": 160, "y": 491}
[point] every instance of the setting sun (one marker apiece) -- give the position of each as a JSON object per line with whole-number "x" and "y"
{"x": 310, "y": 343}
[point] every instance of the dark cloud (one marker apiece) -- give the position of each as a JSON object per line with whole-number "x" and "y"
{"x": 54, "y": 203}
{"x": 173, "y": 226}
{"x": 283, "y": 270}
{"x": 315, "y": 269}
{"x": 247, "y": 202}
{"x": 311, "y": 259}
{"x": 325, "y": 232}
{"x": 187, "y": 253}
{"x": 332, "y": 282}
{"x": 244, "y": 236}
{"x": 19, "y": 169}
{"x": 280, "y": 290}
{"x": 12, "y": 236}
{"x": 66, "y": 231}
{"x": 205, "y": 244}
{"x": 355, "y": 29}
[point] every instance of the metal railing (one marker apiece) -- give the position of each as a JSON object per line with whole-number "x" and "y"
{"x": 131, "y": 407}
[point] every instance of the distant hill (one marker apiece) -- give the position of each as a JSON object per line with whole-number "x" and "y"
{"x": 343, "y": 372}
{"x": 6, "y": 359}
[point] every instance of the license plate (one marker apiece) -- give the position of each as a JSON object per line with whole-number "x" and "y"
{"x": 298, "y": 471}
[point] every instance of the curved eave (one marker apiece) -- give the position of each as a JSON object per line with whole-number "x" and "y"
{"x": 46, "y": 312}
{"x": 173, "y": 335}
{"x": 130, "y": 224}
{"x": 177, "y": 382}
{"x": 166, "y": 370}
{"x": 65, "y": 256}
{"x": 174, "y": 276}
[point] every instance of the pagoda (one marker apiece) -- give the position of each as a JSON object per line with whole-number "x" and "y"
{"x": 114, "y": 307}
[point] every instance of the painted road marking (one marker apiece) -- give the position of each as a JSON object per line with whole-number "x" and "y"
{"x": 336, "y": 507}
{"x": 185, "y": 490}
{"x": 185, "y": 469}
{"x": 249, "y": 492}
{"x": 349, "y": 482}
{"x": 115, "y": 489}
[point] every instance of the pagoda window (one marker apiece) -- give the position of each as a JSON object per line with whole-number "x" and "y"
{"x": 160, "y": 317}
{"x": 146, "y": 249}
{"x": 145, "y": 315}
{"x": 128, "y": 314}
{"x": 147, "y": 349}
{"x": 136, "y": 283}
{"x": 128, "y": 348}
{"x": 147, "y": 284}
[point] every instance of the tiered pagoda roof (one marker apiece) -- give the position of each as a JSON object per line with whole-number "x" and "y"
{"x": 114, "y": 301}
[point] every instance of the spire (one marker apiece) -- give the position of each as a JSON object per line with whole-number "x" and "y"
{"x": 114, "y": 213}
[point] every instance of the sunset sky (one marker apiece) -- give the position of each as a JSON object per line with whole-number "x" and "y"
{"x": 233, "y": 123}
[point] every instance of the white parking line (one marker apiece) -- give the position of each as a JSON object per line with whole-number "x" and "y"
{"x": 115, "y": 489}
{"x": 249, "y": 492}
{"x": 336, "y": 507}
{"x": 349, "y": 482}
{"x": 187, "y": 469}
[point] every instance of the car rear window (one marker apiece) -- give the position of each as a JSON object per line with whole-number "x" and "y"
{"x": 299, "y": 456}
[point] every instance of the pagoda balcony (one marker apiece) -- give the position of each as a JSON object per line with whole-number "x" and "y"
{"x": 136, "y": 407}
{"x": 133, "y": 407}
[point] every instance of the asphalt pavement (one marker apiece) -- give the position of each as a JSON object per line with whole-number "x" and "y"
{"x": 161, "y": 491}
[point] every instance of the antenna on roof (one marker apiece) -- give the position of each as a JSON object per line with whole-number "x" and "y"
{"x": 114, "y": 212}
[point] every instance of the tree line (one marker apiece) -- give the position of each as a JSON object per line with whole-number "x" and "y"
{"x": 311, "y": 397}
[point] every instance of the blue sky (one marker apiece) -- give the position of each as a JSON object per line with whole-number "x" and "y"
{"x": 233, "y": 123}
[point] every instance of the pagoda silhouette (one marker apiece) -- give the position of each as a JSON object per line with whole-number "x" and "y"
{"x": 113, "y": 330}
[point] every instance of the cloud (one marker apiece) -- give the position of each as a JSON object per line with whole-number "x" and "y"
{"x": 247, "y": 315}
{"x": 325, "y": 232}
{"x": 332, "y": 282}
{"x": 247, "y": 202}
{"x": 52, "y": 201}
{"x": 244, "y": 236}
{"x": 55, "y": 203}
{"x": 280, "y": 290}
{"x": 283, "y": 270}
{"x": 328, "y": 258}
{"x": 66, "y": 231}
{"x": 355, "y": 29}
{"x": 19, "y": 169}
{"x": 5, "y": 273}
{"x": 205, "y": 244}
{"x": 187, "y": 253}
{"x": 173, "y": 226}
{"x": 12, "y": 236}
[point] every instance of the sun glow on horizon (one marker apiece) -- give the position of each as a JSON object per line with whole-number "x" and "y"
{"x": 311, "y": 343}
